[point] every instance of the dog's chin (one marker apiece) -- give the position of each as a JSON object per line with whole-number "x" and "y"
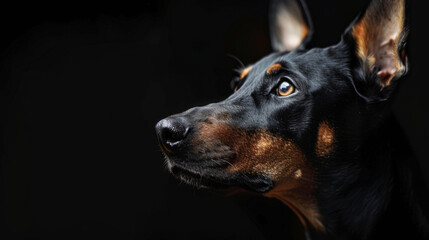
{"x": 197, "y": 179}
{"x": 217, "y": 177}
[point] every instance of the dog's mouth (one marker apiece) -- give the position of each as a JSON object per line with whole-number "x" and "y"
{"x": 198, "y": 179}
{"x": 217, "y": 155}
{"x": 219, "y": 178}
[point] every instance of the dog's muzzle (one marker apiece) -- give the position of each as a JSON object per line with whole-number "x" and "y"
{"x": 171, "y": 132}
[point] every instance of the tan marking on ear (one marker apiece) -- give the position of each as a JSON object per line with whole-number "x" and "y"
{"x": 325, "y": 140}
{"x": 245, "y": 71}
{"x": 274, "y": 68}
{"x": 305, "y": 32}
{"x": 377, "y": 36}
{"x": 290, "y": 26}
{"x": 282, "y": 160}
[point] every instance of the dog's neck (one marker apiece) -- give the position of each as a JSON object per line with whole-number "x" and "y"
{"x": 303, "y": 204}
{"x": 375, "y": 194}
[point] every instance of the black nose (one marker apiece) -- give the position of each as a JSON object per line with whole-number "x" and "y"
{"x": 171, "y": 131}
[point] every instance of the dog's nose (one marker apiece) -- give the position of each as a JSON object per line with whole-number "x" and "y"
{"x": 171, "y": 131}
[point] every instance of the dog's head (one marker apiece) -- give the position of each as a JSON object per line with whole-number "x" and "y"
{"x": 296, "y": 112}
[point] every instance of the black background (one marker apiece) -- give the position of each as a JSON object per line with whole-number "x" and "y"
{"x": 82, "y": 87}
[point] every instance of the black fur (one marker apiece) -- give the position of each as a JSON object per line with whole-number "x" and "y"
{"x": 369, "y": 188}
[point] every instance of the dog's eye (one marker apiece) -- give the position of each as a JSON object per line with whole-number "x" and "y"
{"x": 285, "y": 88}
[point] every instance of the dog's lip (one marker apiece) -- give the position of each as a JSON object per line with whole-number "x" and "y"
{"x": 193, "y": 170}
{"x": 201, "y": 161}
{"x": 202, "y": 179}
{"x": 207, "y": 177}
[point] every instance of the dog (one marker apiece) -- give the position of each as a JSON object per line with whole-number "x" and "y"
{"x": 314, "y": 129}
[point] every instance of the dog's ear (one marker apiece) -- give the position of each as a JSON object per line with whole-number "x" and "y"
{"x": 378, "y": 37}
{"x": 290, "y": 24}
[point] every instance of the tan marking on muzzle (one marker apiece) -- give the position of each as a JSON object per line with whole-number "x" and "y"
{"x": 282, "y": 160}
{"x": 325, "y": 140}
{"x": 298, "y": 173}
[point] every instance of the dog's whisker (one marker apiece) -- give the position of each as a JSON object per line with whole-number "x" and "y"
{"x": 237, "y": 59}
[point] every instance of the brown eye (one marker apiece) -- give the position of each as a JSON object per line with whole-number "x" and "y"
{"x": 285, "y": 88}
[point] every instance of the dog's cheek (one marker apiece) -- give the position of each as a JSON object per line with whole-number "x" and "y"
{"x": 263, "y": 153}
{"x": 325, "y": 143}
{"x": 255, "y": 152}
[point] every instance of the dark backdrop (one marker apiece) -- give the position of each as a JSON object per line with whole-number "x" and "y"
{"x": 82, "y": 87}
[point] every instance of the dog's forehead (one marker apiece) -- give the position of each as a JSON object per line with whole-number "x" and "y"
{"x": 295, "y": 61}
{"x": 289, "y": 59}
{"x": 267, "y": 61}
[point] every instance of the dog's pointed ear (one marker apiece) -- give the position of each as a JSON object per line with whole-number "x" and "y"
{"x": 290, "y": 24}
{"x": 378, "y": 37}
